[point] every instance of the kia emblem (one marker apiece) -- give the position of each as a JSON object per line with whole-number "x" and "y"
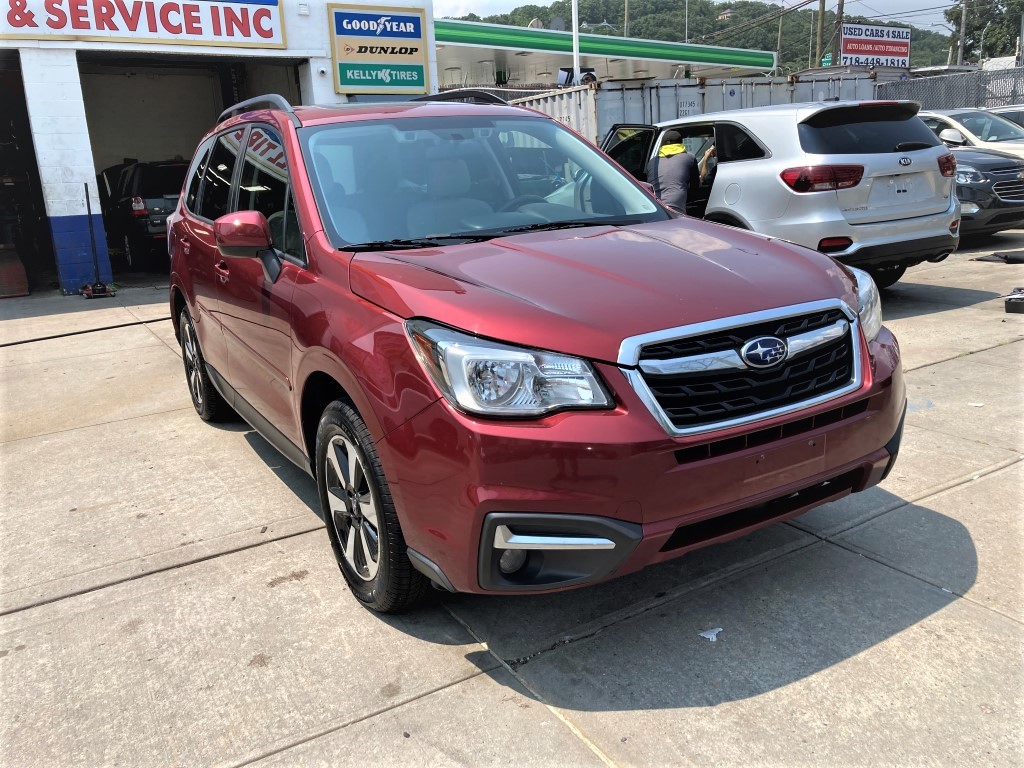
{"x": 905, "y": 161}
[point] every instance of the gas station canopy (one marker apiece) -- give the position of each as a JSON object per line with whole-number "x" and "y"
{"x": 474, "y": 53}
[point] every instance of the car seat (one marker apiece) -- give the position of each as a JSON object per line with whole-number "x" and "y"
{"x": 447, "y": 207}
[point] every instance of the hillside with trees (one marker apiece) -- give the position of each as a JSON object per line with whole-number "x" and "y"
{"x": 666, "y": 20}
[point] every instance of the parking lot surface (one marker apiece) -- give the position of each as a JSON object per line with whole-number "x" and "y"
{"x": 167, "y": 595}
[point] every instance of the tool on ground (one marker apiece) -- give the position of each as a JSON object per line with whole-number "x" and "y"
{"x": 97, "y": 289}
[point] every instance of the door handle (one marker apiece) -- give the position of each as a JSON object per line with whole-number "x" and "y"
{"x": 222, "y": 267}
{"x": 186, "y": 246}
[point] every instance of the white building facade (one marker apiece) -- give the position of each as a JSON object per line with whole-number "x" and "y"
{"x": 90, "y": 84}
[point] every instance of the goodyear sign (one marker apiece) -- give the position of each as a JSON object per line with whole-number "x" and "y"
{"x": 379, "y": 49}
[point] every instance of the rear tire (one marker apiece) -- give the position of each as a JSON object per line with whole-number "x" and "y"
{"x": 886, "y": 277}
{"x": 362, "y": 524}
{"x": 205, "y": 398}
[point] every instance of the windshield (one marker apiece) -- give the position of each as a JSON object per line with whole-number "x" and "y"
{"x": 989, "y": 127}
{"x": 427, "y": 178}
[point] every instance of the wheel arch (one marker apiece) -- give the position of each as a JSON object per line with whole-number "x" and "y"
{"x": 178, "y": 305}
{"x": 729, "y": 219}
{"x": 319, "y": 390}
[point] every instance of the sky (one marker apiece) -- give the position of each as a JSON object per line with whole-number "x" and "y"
{"x": 920, "y": 13}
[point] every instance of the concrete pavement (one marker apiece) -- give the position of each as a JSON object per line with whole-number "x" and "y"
{"x": 167, "y": 595}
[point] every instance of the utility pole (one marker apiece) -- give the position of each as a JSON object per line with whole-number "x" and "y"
{"x": 575, "y": 80}
{"x": 821, "y": 31}
{"x": 963, "y": 30}
{"x": 625, "y": 24}
{"x": 837, "y": 39}
{"x": 778, "y": 45}
{"x": 810, "y": 40}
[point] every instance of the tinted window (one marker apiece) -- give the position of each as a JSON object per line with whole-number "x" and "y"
{"x": 160, "y": 180}
{"x": 631, "y": 148}
{"x": 733, "y": 143}
{"x": 219, "y": 171}
{"x": 869, "y": 130}
{"x": 195, "y": 176}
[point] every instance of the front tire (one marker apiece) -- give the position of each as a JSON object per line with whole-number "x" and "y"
{"x": 362, "y": 524}
{"x": 205, "y": 398}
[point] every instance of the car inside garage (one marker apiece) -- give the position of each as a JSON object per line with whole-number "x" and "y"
{"x": 145, "y": 114}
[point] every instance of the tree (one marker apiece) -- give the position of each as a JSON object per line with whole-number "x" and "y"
{"x": 1002, "y": 17}
{"x": 666, "y": 20}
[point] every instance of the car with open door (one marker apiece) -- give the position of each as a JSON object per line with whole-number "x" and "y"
{"x": 865, "y": 182}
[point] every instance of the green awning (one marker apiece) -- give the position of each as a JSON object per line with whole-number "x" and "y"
{"x": 468, "y": 33}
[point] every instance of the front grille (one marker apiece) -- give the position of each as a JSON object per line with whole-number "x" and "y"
{"x": 734, "y": 338}
{"x": 697, "y": 401}
{"x": 1009, "y": 190}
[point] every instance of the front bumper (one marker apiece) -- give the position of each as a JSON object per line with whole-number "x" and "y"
{"x": 455, "y": 479}
{"x": 982, "y": 212}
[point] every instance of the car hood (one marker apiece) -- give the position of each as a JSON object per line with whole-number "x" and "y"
{"x": 582, "y": 291}
{"x": 984, "y": 158}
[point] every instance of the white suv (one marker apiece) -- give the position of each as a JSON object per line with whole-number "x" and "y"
{"x": 865, "y": 182}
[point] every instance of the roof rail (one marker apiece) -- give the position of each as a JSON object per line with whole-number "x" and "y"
{"x": 268, "y": 100}
{"x": 467, "y": 95}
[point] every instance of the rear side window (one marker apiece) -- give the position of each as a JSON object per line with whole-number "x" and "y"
{"x": 160, "y": 180}
{"x": 195, "y": 177}
{"x": 264, "y": 182}
{"x": 220, "y": 169}
{"x": 264, "y": 188}
{"x": 733, "y": 143}
{"x": 870, "y": 130}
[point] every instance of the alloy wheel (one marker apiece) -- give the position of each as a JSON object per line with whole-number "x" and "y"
{"x": 354, "y": 507}
{"x": 192, "y": 371}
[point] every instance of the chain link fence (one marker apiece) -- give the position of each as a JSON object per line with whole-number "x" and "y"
{"x": 974, "y": 89}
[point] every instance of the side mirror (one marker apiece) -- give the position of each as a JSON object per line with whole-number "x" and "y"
{"x": 952, "y": 136}
{"x": 246, "y": 235}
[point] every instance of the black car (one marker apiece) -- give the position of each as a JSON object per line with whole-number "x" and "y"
{"x": 990, "y": 187}
{"x": 137, "y": 212}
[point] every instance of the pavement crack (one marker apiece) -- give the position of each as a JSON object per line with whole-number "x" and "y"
{"x": 84, "y": 331}
{"x": 341, "y": 726}
{"x": 155, "y": 571}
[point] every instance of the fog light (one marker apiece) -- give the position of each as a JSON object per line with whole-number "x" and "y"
{"x": 969, "y": 208}
{"x": 512, "y": 560}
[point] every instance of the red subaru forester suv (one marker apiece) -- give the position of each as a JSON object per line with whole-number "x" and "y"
{"x": 509, "y": 368}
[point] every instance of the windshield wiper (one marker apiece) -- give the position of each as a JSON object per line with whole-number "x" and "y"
{"x": 539, "y": 226}
{"x": 399, "y": 244}
{"x": 910, "y": 146}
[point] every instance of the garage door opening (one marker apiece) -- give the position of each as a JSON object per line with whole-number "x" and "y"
{"x": 146, "y": 115}
{"x": 24, "y": 234}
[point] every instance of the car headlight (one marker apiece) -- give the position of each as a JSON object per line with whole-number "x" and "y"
{"x": 869, "y": 304}
{"x": 965, "y": 174}
{"x": 494, "y": 379}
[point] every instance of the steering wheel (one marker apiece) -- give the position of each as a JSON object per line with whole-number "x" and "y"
{"x": 519, "y": 201}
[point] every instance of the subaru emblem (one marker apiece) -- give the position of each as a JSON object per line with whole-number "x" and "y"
{"x": 905, "y": 161}
{"x": 764, "y": 352}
